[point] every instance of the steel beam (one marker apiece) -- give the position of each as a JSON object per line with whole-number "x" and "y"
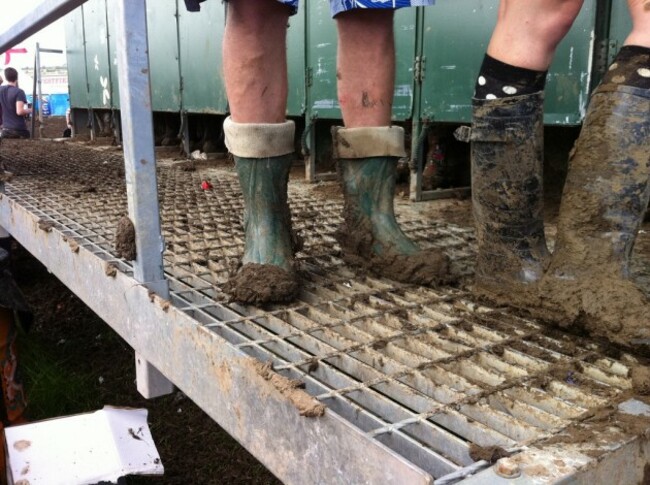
{"x": 218, "y": 377}
{"x": 48, "y": 11}
{"x": 140, "y": 165}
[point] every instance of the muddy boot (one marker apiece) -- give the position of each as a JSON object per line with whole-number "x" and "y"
{"x": 370, "y": 236}
{"x": 263, "y": 157}
{"x": 507, "y": 195}
{"x": 604, "y": 200}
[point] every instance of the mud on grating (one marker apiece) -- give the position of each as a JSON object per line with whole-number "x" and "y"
{"x": 430, "y": 373}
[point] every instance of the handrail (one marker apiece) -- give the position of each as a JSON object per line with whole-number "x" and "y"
{"x": 43, "y": 15}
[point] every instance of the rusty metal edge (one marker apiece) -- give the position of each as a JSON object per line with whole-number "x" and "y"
{"x": 219, "y": 378}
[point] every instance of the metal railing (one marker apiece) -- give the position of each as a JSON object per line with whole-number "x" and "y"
{"x": 139, "y": 154}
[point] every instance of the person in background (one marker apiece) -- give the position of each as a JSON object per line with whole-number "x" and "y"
{"x": 67, "y": 133}
{"x": 13, "y": 104}
{"x": 585, "y": 283}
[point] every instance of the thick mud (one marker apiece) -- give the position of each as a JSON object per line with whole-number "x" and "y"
{"x": 359, "y": 244}
{"x": 586, "y": 287}
{"x": 125, "y": 239}
{"x": 490, "y": 454}
{"x": 262, "y": 283}
{"x": 305, "y": 404}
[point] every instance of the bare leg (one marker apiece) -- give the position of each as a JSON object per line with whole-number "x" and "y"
{"x": 255, "y": 60}
{"x": 367, "y": 150}
{"x": 256, "y": 133}
{"x": 366, "y": 67}
{"x": 528, "y": 31}
{"x": 640, "y": 12}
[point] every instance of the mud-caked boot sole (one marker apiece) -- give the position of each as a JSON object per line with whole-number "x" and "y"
{"x": 600, "y": 305}
{"x": 256, "y": 284}
{"x": 370, "y": 236}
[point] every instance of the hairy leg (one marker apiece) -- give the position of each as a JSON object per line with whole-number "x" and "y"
{"x": 255, "y": 60}
{"x": 366, "y": 67}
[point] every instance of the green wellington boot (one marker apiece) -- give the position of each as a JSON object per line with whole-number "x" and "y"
{"x": 370, "y": 236}
{"x": 263, "y": 157}
{"x": 507, "y": 195}
{"x": 604, "y": 200}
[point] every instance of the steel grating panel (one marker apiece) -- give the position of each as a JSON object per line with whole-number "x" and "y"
{"x": 429, "y": 373}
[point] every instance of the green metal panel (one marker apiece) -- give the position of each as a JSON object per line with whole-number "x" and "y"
{"x": 296, "y": 63}
{"x": 201, "y": 36}
{"x": 76, "y": 59}
{"x": 455, "y": 38}
{"x": 321, "y": 60}
{"x": 620, "y": 27}
{"x": 97, "y": 57}
{"x": 163, "y": 55}
{"x": 111, "y": 13}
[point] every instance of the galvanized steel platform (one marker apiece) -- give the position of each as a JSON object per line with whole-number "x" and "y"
{"x": 413, "y": 379}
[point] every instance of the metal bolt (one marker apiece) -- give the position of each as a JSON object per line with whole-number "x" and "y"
{"x": 507, "y": 468}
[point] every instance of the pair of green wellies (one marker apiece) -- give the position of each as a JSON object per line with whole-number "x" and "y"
{"x": 584, "y": 283}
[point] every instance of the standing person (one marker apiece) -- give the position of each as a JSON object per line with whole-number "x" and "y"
{"x": 367, "y": 148}
{"x": 13, "y": 103}
{"x": 586, "y": 281}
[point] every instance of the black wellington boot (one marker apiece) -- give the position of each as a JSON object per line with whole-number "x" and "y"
{"x": 507, "y": 196}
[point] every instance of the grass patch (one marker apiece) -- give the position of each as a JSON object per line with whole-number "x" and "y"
{"x": 54, "y": 386}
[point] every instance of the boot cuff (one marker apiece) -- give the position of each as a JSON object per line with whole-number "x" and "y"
{"x": 383, "y": 141}
{"x": 259, "y": 140}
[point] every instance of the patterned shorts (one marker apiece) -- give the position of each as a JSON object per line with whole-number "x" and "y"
{"x": 338, "y": 6}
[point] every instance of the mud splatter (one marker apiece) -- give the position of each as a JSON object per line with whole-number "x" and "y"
{"x": 307, "y": 406}
{"x": 488, "y": 453}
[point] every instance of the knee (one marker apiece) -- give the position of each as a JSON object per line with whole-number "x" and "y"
{"x": 257, "y": 16}
{"x": 366, "y": 26}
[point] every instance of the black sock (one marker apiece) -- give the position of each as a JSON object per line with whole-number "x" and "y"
{"x": 500, "y": 80}
{"x": 631, "y": 67}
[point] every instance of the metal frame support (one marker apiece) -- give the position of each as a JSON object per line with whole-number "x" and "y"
{"x": 48, "y": 11}
{"x": 140, "y": 166}
{"x": 39, "y": 92}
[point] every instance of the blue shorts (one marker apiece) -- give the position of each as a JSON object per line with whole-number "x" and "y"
{"x": 338, "y": 6}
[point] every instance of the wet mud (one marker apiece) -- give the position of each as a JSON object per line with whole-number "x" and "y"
{"x": 427, "y": 267}
{"x": 291, "y": 389}
{"x": 256, "y": 284}
{"x": 125, "y": 239}
{"x": 586, "y": 287}
{"x": 490, "y": 454}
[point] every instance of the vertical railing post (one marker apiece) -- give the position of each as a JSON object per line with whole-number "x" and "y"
{"x": 140, "y": 166}
{"x": 39, "y": 91}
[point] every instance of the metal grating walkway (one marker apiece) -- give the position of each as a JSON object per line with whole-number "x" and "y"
{"x": 429, "y": 373}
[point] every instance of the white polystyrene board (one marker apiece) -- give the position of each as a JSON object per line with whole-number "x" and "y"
{"x": 83, "y": 449}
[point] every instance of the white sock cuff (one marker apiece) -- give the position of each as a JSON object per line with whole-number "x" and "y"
{"x": 367, "y": 142}
{"x": 259, "y": 140}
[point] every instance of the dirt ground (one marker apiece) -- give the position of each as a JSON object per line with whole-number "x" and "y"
{"x": 86, "y": 351}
